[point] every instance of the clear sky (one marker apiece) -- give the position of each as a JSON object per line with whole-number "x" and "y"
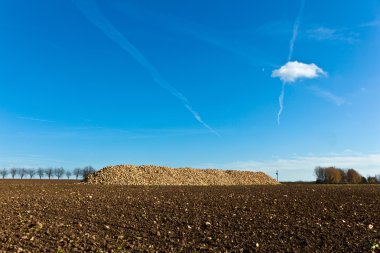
{"x": 191, "y": 83}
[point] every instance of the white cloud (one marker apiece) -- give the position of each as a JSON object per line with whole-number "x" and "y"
{"x": 374, "y": 23}
{"x": 36, "y": 119}
{"x": 328, "y": 96}
{"x": 322, "y": 33}
{"x": 292, "y": 71}
{"x": 325, "y": 33}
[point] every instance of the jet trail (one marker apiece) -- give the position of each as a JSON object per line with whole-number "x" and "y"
{"x": 290, "y": 55}
{"x": 295, "y": 31}
{"x": 281, "y": 102}
{"x": 91, "y": 11}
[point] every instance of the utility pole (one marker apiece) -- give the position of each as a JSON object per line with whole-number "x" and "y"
{"x": 277, "y": 175}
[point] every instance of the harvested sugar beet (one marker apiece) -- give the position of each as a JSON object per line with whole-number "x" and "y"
{"x": 159, "y": 175}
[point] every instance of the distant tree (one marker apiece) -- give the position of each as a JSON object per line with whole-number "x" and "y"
{"x": 88, "y": 170}
{"x": 4, "y": 173}
{"x": 31, "y": 173}
{"x": 59, "y": 172}
{"x": 320, "y": 174}
{"x": 371, "y": 180}
{"x": 343, "y": 175}
{"x": 68, "y": 174}
{"x": 49, "y": 172}
{"x": 22, "y": 172}
{"x": 40, "y": 172}
{"x": 13, "y": 172}
{"x": 77, "y": 172}
{"x": 353, "y": 177}
{"x": 364, "y": 180}
{"x": 333, "y": 175}
{"x": 377, "y": 178}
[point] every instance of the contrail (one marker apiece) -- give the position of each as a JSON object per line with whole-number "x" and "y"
{"x": 281, "y": 102}
{"x": 178, "y": 25}
{"x": 295, "y": 30}
{"x": 290, "y": 55}
{"x": 93, "y": 14}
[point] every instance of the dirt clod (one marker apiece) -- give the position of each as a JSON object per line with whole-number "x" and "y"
{"x": 218, "y": 218}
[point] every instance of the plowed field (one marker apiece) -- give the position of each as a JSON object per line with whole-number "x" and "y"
{"x": 62, "y": 216}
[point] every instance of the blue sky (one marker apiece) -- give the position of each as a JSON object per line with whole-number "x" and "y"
{"x": 191, "y": 84}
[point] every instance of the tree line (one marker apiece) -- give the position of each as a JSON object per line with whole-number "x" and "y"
{"x": 50, "y": 173}
{"x": 333, "y": 175}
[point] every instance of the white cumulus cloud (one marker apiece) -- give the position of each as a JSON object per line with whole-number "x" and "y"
{"x": 294, "y": 70}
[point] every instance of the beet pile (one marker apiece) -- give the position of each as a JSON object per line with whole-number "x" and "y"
{"x": 159, "y": 175}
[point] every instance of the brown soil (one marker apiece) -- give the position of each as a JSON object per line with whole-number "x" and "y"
{"x": 158, "y": 175}
{"x": 61, "y": 216}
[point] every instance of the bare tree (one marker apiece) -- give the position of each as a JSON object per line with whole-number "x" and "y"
{"x": 59, "y": 172}
{"x": 22, "y": 172}
{"x": 13, "y": 172}
{"x": 4, "y": 173}
{"x": 88, "y": 170}
{"x": 49, "y": 172}
{"x": 31, "y": 173}
{"x": 68, "y": 174}
{"x": 320, "y": 173}
{"x": 77, "y": 172}
{"x": 40, "y": 172}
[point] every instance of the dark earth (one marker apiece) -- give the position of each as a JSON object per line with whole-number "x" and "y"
{"x": 66, "y": 216}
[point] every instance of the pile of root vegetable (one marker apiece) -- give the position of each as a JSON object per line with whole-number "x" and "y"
{"x": 159, "y": 175}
